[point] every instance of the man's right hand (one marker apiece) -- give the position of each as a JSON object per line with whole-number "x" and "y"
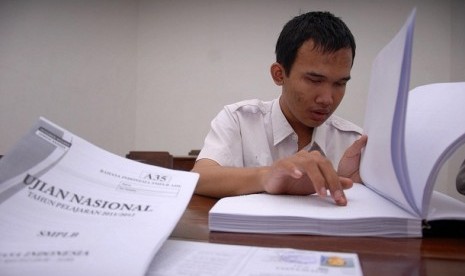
{"x": 306, "y": 173}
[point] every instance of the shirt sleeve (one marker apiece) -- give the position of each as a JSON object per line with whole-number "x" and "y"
{"x": 223, "y": 142}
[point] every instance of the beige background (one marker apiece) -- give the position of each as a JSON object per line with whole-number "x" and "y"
{"x": 150, "y": 75}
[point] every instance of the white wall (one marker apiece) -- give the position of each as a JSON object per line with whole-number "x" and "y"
{"x": 151, "y": 75}
{"x": 196, "y": 56}
{"x": 73, "y": 62}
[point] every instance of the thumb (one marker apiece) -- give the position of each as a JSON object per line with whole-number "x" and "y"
{"x": 357, "y": 146}
{"x": 346, "y": 183}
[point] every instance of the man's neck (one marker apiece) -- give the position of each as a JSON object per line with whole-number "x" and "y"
{"x": 304, "y": 136}
{"x": 304, "y": 133}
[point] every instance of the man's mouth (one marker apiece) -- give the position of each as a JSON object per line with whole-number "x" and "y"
{"x": 320, "y": 114}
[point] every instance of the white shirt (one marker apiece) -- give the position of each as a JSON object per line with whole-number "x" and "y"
{"x": 255, "y": 133}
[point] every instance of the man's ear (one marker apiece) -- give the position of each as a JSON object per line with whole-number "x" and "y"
{"x": 277, "y": 73}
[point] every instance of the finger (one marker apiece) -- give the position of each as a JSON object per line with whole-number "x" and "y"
{"x": 339, "y": 197}
{"x": 356, "y": 148}
{"x": 334, "y": 184}
{"x": 337, "y": 192}
{"x": 317, "y": 179}
{"x": 346, "y": 182}
{"x": 284, "y": 168}
{"x": 322, "y": 175}
{"x": 291, "y": 170}
{"x": 362, "y": 141}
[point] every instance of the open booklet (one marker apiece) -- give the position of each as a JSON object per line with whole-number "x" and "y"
{"x": 199, "y": 258}
{"x": 68, "y": 207}
{"x": 410, "y": 136}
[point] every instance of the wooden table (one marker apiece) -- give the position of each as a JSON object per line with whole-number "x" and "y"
{"x": 378, "y": 256}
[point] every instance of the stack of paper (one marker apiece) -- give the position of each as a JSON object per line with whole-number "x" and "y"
{"x": 264, "y": 213}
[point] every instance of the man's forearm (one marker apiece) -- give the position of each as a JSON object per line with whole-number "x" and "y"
{"x": 218, "y": 181}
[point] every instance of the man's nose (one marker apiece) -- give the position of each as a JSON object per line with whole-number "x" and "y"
{"x": 324, "y": 96}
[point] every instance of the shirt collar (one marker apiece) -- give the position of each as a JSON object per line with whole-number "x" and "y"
{"x": 281, "y": 127}
{"x": 319, "y": 138}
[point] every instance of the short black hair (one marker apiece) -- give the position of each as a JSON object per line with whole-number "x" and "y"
{"x": 328, "y": 32}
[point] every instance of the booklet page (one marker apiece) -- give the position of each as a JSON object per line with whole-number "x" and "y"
{"x": 383, "y": 165}
{"x": 79, "y": 210}
{"x": 434, "y": 130}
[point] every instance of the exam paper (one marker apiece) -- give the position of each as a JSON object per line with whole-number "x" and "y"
{"x": 196, "y": 258}
{"x": 68, "y": 207}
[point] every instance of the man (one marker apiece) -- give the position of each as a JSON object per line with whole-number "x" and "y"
{"x": 290, "y": 145}
{"x": 460, "y": 180}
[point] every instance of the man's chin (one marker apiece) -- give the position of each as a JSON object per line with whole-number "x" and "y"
{"x": 316, "y": 123}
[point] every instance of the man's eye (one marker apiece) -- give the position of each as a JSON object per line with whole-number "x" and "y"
{"x": 316, "y": 81}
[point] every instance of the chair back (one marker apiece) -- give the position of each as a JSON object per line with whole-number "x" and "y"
{"x": 157, "y": 158}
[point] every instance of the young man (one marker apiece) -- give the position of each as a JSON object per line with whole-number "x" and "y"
{"x": 290, "y": 145}
{"x": 460, "y": 179}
